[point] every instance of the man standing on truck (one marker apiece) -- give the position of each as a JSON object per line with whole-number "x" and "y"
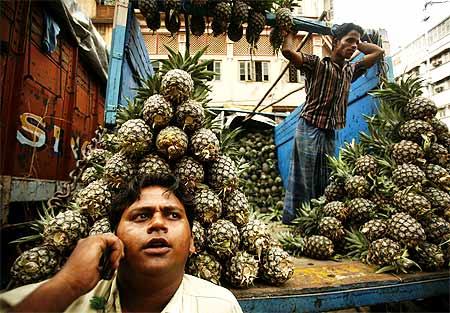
{"x": 149, "y": 249}
{"x": 327, "y": 84}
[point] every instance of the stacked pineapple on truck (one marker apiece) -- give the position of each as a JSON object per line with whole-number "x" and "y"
{"x": 388, "y": 202}
{"x": 165, "y": 130}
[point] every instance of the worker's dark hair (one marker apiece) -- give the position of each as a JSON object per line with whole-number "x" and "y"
{"x": 132, "y": 192}
{"x": 339, "y": 31}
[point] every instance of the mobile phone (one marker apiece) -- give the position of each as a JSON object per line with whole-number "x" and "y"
{"x": 105, "y": 266}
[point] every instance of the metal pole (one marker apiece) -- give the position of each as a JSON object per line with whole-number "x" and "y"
{"x": 300, "y": 46}
{"x": 188, "y": 32}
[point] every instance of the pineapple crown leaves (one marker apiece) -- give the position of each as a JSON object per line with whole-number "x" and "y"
{"x": 357, "y": 244}
{"x": 285, "y": 4}
{"x": 340, "y": 169}
{"x": 37, "y": 226}
{"x": 401, "y": 264}
{"x": 229, "y": 144}
{"x": 291, "y": 243}
{"x": 307, "y": 220}
{"x": 400, "y": 92}
{"x": 133, "y": 110}
{"x": 149, "y": 87}
{"x": 191, "y": 64}
{"x": 351, "y": 151}
{"x": 376, "y": 143}
{"x": 98, "y": 303}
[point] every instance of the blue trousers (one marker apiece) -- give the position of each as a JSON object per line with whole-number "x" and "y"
{"x": 308, "y": 170}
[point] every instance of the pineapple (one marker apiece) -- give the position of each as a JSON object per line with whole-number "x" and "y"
{"x": 383, "y": 252}
{"x": 218, "y": 27}
{"x": 148, "y": 7}
{"x": 190, "y": 116}
{"x": 439, "y": 199}
{"x": 119, "y": 170}
{"x": 414, "y": 130}
{"x": 134, "y": 137}
{"x": 439, "y": 127}
{"x": 35, "y": 265}
{"x": 222, "y": 174}
{"x": 94, "y": 200}
{"x": 235, "y": 31}
{"x": 172, "y": 142}
{"x": 438, "y": 175}
{"x": 64, "y": 230}
{"x": 223, "y": 238}
{"x": 420, "y": 108}
{"x": 240, "y": 12}
{"x": 199, "y": 235}
{"x": 108, "y": 142}
{"x": 361, "y": 210}
{"x": 198, "y": 25}
{"x": 157, "y": 111}
{"x": 357, "y": 186}
{"x": 406, "y": 230}
{"x": 411, "y": 203}
{"x": 335, "y": 191}
{"x": 153, "y": 21}
{"x": 406, "y": 152}
{"x": 406, "y": 175}
{"x": 199, "y": 3}
{"x": 437, "y": 229}
{"x": 242, "y": 269}
{"x": 172, "y": 22}
{"x": 276, "y": 39}
{"x": 236, "y": 208}
{"x": 318, "y": 247}
{"x": 366, "y": 165}
{"x": 205, "y": 266}
{"x": 89, "y": 175}
{"x": 207, "y": 206}
{"x": 336, "y": 209}
{"x": 177, "y": 86}
{"x": 429, "y": 256}
{"x": 98, "y": 156}
{"x": 331, "y": 228}
{"x": 222, "y": 11}
{"x": 276, "y": 266}
{"x": 438, "y": 154}
{"x": 205, "y": 145}
{"x": 283, "y": 16}
{"x": 190, "y": 173}
{"x": 255, "y": 25}
{"x": 255, "y": 237}
{"x": 153, "y": 166}
{"x": 102, "y": 226}
{"x": 374, "y": 229}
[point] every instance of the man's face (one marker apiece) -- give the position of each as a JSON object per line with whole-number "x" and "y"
{"x": 156, "y": 233}
{"x": 347, "y": 45}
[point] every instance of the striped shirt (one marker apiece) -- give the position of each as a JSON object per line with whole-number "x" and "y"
{"x": 327, "y": 86}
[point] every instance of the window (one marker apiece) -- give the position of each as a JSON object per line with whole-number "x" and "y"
{"x": 254, "y": 71}
{"x": 215, "y": 67}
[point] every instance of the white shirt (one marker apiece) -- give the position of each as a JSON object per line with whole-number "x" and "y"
{"x": 193, "y": 295}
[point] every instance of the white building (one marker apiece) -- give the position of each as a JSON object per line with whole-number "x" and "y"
{"x": 429, "y": 57}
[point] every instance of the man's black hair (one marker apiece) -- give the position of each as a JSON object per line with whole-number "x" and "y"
{"x": 339, "y": 31}
{"x": 133, "y": 191}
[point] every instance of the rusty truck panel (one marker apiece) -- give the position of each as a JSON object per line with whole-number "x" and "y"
{"x": 51, "y": 103}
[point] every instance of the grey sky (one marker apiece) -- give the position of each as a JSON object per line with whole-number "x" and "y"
{"x": 401, "y": 18}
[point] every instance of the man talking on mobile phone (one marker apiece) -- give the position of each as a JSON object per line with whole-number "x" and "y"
{"x": 149, "y": 251}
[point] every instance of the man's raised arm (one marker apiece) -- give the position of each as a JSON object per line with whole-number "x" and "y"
{"x": 288, "y": 50}
{"x": 372, "y": 53}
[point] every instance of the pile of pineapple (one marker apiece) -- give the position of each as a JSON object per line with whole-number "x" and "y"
{"x": 223, "y": 16}
{"x": 262, "y": 182}
{"x": 165, "y": 130}
{"x": 388, "y": 202}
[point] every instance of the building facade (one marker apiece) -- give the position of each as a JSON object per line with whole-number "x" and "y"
{"x": 429, "y": 57}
